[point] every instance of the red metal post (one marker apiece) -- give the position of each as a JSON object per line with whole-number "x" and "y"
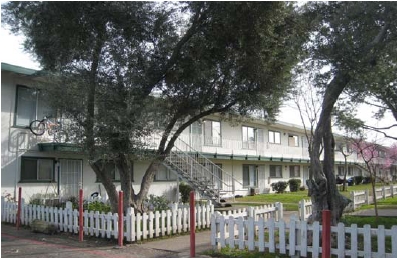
{"x": 192, "y": 226}
{"x": 326, "y": 234}
{"x": 121, "y": 218}
{"x": 81, "y": 220}
{"x": 19, "y": 207}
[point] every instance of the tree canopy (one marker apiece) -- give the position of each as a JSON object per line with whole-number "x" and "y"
{"x": 123, "y": 67}
{"x": 352, "y": 40}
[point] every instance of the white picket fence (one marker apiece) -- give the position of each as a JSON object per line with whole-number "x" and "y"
{"x": 264, "y": 211}
{"x": 297, "y": 238}
{"x": 363, "y": 197}
{"x": 358, "y": 198}
{"x": 136, "y": 226}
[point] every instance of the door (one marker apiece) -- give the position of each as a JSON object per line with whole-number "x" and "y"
{"x": 70, "y": 177}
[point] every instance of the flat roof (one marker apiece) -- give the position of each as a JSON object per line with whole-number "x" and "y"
{"x": 18, "y": 69}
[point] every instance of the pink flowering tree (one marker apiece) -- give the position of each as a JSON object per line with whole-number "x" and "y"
{"x": 370, "y": 153}
{"x": 391, "y": 157}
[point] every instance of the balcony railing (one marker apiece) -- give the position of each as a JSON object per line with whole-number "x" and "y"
{"x": 236, "y": 147}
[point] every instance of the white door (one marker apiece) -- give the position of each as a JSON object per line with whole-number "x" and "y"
{"x": 70, "y": 177}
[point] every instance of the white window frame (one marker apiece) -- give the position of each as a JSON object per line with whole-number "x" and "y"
{"x": 296, "y": 140}
{"x": 37, "y": 112}
{"x": 272, "y": 137}
{"x": 294, "y": 171}
{"x": 38, "y": 161}
{"x": 273, "y": 167}
{"x": 168, "y": 175}
{"x": 252, "y": 172}
{"x": 212, "y": 137}
{"x": 249, "y": 139}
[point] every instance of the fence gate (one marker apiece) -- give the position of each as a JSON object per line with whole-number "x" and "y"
{"x": 70, "y": 173}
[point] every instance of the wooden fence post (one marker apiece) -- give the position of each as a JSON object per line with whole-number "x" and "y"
{"x": 192, "y": 226}
{"x": 326, "y": 234}
{"x": 121, "y": 218}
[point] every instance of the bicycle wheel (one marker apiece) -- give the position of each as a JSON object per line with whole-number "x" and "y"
{"x": 37, "y": 127}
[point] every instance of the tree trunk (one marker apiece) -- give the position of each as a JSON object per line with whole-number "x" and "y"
{"x": 147, "y": 180}
{"x": 107, "y": 182}
{"x": 125, "y": 168}
{"x": 321, "y": 183}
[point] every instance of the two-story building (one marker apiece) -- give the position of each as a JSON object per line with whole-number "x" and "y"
{"x": 254, "y": 153}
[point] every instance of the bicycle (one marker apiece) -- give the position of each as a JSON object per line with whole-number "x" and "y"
{"x": 38, "y": 127}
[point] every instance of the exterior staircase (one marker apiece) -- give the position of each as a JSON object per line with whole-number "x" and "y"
{"x": 200, "y": 173}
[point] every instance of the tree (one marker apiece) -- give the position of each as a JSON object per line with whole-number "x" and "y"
{"x": 349, "y": 38}
{"x": 226, "y": 57}
{"x": 375, "y": 157}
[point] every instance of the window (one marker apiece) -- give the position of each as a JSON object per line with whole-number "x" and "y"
{"x": 341, "y": 170}
{"x": 212, "y": 133}
{"x": 274, "y": 137}
{"x": 293, "y": 140}
{"x": 294, "y": 171}
{"x": 276, "y": 171}
{"x": 29, "y": 106}
{"x": 111, "y": 168}
{"x": 250, "y": 176}
{"x": 37, "y": 169}
{"x": 249, "y": 137}
{"x": 164, "y": 174}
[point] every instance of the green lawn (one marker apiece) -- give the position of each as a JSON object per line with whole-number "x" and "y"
{"x": 290, "y": 200}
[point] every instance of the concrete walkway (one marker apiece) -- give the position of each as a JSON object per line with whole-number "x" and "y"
{"x": 381, "y": 213}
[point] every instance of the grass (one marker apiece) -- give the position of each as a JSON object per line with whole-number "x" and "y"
{"x": 290, "y": 200}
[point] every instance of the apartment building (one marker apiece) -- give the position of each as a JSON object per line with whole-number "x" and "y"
{"x": 239, "y": 158}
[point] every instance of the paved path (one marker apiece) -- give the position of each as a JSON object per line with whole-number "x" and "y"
{"x": 381, "y": 213}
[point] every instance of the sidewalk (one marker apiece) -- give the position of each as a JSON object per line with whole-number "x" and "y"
{"x": 381, "y": 213}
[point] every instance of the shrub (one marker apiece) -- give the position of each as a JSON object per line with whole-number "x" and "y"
{"x": 157, "y": 203}
{"x": 279, "y": 187}
{"x": 184, "y": 190}
{"x": 302, "y": 188}
{"x": 99, "y": 206}
{"x": 358, "y": 180}
{"x": 367, "y": 180}
{"x": 294, "y": 184}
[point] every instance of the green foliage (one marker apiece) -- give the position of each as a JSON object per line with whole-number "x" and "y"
{"x": 158, "y": 203}
{"x": 36, "y": 201}
{"x": 227, "y": 252}
{"x": 201, "y": 58}
{"x": 302, "y": 188}
{"x": 184, "y": 190}
{"x": 279, "y": 187}
{"x": 98, "y": 206}
{"x": 294, "y": 184}
{"x": 358, "y": 180}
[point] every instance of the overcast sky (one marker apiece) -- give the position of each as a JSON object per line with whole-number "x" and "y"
{"x": 12, "y": 53}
